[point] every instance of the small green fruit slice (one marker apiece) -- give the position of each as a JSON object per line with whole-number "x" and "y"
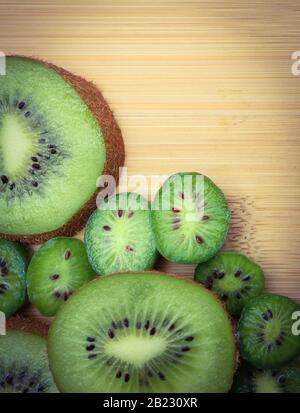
{"x": 142, "y": 333}
{"x": 265, "y": 331}
{"x": 56, "y": 270}
{"x": 119, "y": 236}
{"x": 190, "y": 218}
{"x": 233, "y": 277}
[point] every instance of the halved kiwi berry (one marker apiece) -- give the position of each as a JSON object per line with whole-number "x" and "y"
{"x": 265, "y": 333}
{"x": 24, "y": 364}
{"x": 282, "y": 380}
{"x": 142, "y": 332}
{"x": 190, "y": 218}
{"x": 13, "y": 265}
{"x": 233, "y": 277}
{"x": 56, "y": 270}
{"x": 57, "y": 136}
{"x": 119, "y": 236}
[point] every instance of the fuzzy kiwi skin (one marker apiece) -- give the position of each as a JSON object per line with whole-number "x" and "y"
{"x": 115, "y": 152}
{"x": 28, "y": 325}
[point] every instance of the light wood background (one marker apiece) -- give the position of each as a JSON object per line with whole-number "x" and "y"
{"x": 195, "y": 85}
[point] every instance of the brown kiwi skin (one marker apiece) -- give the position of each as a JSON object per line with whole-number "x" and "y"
{"x": 115, "y": 152}
{"x": 27, "y": 325}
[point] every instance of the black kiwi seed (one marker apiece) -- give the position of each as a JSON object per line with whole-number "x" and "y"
{"x": 172, "y": 327}
{"x": 224, "y": 297}
{"x": 21, "y": 105}
{"x": 4, "y": 179}
{"x": 34, "y": 184}
{"x": 152, "y": 331}
{"x": 107, "y": 228}
{"x": 52, "y": 151}
{"x": 12, "y": 186}
{"x": 36, "y": 166}
{"x": 27, "y": 114}
{"x": 185, "y": 349}
{"x": 161, "y": 376}
{"x": 52, "y": 146}
{"x": 110, "y": 333}
{"x": 92, "y": 356}
{"x": 90, "y": 347}
{"x": 238, "y": 273}
{"x": 34, "y": 159}
{"x": 91, "y": 339}
{"x": 118, "y": 374}
{"x": 282, "y": 379}
{"x": 126, "y": 322}
{"x": 126, "y": 378}
{"x": 190, "y": 338}
{"x": 247, "y": 278}
{"x": 146, "y": 324}
{"x": 114, "y": 325}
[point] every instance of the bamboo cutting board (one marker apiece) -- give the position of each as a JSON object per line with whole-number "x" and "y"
{"x": 195, "y": 85}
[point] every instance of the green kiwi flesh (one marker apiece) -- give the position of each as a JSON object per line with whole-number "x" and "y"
{"x": 283, "y": 380}
{"x": 233, "y": 277}
{"x": 52, "y": 149}
{"x": 142, "y": 332}
{"x": 265, "y": 331}
{"x": 13, "y": 264}
{"x": 190, "y": 218}
{"x": 119, "y": 236}
{"x": 24, "y": 366}
{"x": 56, "y": 270}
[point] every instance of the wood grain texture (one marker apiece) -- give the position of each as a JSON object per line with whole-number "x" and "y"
{"x": 195, "y": 85}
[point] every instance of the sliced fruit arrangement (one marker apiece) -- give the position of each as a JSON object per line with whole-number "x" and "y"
{"x": 282, "y": 380}
{"x": 119, "y": 236}
{"x": 142, "y": 332}
{"x": 190, "y": 218}
{"x": 13, "y": 264}
{"x": 56, "y": 270}
{"x": 233, "y": 277}
{"x": 265, "y": 332}
{"x": 57, "y": 136}
{"x": 24, "y": 366}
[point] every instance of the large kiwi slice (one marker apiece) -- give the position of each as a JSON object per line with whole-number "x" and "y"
{"x": 13, "y": 264}
{"x": 142, "y": 332}
{"x": 190, "y": 218}
{"x": 56, "y": 270}
{"x": 119, "y": 236}
{"x": 57, "y": 136}
{"x": 283, "y": 380}
{"x": 233, "y": 277}
{"x": 265, "y": 331}
{"x": 24, "y": 366}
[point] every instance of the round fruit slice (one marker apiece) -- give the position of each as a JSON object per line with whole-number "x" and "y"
{"x": 13, "y": 264}
{"x": 265, "y": 331}
{"x": 282, "y": 380}
{"x": 57, "y": 136}
{"x": 190, "y": 218}
{"x": 24, "y": 364}
{"x": 233, "y": 277}
{"x": 119, "y": 235}
{"x": 142, "y": 332}
{"x": 56, "y": 270}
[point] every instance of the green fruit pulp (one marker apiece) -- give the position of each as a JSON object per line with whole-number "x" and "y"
{"x": 38, "y": 105}
{"x": 142, "y": 332}
{"x": 56, "y": 270}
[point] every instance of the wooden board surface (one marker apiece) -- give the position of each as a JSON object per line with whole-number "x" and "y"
{"x": 195, "y": 85}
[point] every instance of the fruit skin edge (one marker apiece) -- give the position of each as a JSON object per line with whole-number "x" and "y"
{"x": 115, "y": 152}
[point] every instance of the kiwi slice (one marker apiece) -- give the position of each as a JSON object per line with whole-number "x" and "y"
{"x": 56, "y": 270}
{"x": 265, "y": 333}
{"x": 24, "y": 366}
{"x": 142, "y": 332}
{"x": 233, "y": 277}
{"x": 57, "y": 136}
{"x": 190, "y": 218}
{"x": 119, "y": 236}
{"x": 283, "y": 380}
{"x": 13, "y": 264}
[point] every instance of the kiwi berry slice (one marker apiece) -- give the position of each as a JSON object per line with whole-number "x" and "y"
{"x": 142, "y": 332}
{"x": 56, "y": 270}
{"x": 24, "y": 366}
{"x": 13, "y": 264}
{"x": 57, "y": 136}
{"x": 233, "y": 277}
{"x": 265, "y": 332}
{"x": 282, "y": 380}
{"x": 190, "y": 218}
{"x": 119, "y": 235}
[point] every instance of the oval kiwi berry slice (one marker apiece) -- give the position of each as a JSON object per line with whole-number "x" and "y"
{"x": 142, "y": 332}
{"x": 56, "y": 270}
{"x": 283, "y": 380}
{"x": 13, "y": 264}
{"x": 265, "y": 331}
{"x": 57, "y": 136}
{"x": 24, "y": 366}
{"x": 119, "y": 236}
{"x": 233, "y": 277}
{"x": 190, "y": 218}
